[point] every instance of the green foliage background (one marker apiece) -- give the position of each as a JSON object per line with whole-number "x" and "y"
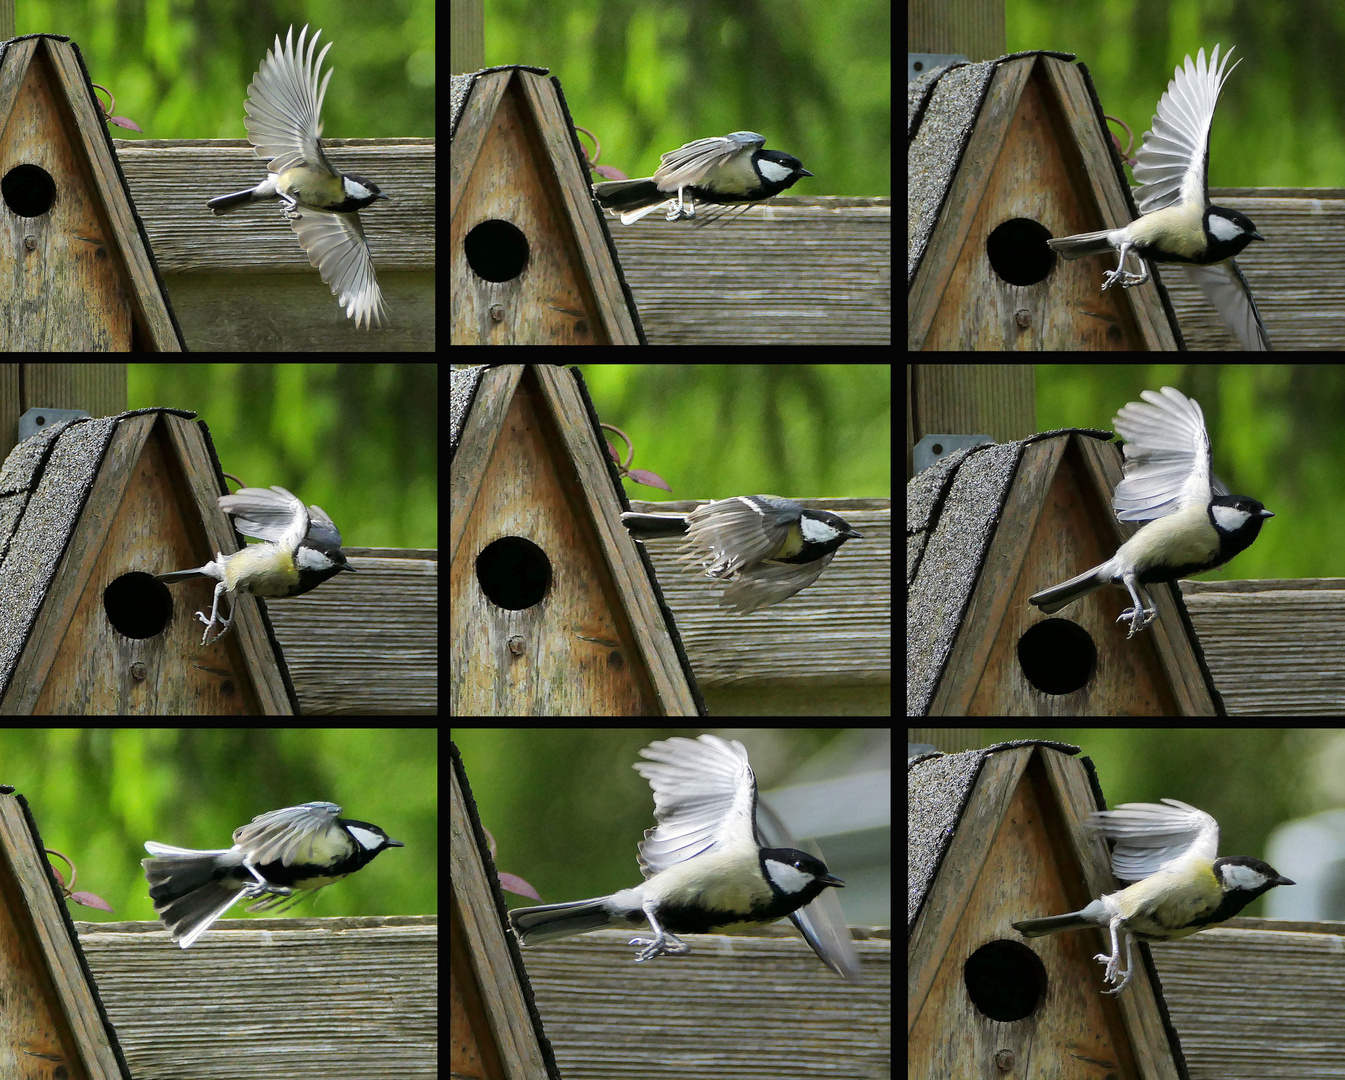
{"x": 1275, "y": 432}
{"x": 1278, "y": 119}
{"x": 97, "y": 795}
{"x": 182, "y": 71}
{"x": 359, "y": 440}
{"x": 717, "y": 430}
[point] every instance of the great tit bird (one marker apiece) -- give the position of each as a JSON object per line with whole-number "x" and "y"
{"x": 1181, "y": 885}
{"x": 722, "y": 172}
{"x": 1178, "y": 222}
{"x": 301, "y": 550}
{"x": 281, "y": 857}
{"x": 705, "y": 863}
{"x": 767, "y": 547}
{"x": 1194, "y": 524}
{"x": 284, "y": 120}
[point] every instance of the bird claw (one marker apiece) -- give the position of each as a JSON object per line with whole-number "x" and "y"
{"x": 206, "y": 639}
{"x": 255, "y": 890}
{"x": 1125, "y": 277}
{"x": 1112, "y": 972}
{"x": 663, "y": 945}
{"x": 1139, "y": 619}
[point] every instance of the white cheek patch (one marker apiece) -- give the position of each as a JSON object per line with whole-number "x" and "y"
{"x": 311, "y": 559}
{"x": 788, "y": 879}
{"x": 365, "y": 838}
{"x": 816, "y": 532}
{"x": 1221, "y": 228}
{"x": 773, "y": 170}
{"x": 1237, "y": 876}
{"x": 1230, "y": 519}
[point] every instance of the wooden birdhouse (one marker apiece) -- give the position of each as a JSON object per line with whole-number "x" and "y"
{"x": 1002, "y": 836}
{"x": 53, "y": 1013}
{"x": 77, "y": 265}
{"x": 532, "y": 262}
{"x": 1081, "y": 654}
{"x": 996, "y": 836}
{"x": 996, "y": 523}
{"x": 1003, "y": 156}
{"x": 95, "y": 509}
{"x": 552, "y": 610}
{"x": 490, "y": 995}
